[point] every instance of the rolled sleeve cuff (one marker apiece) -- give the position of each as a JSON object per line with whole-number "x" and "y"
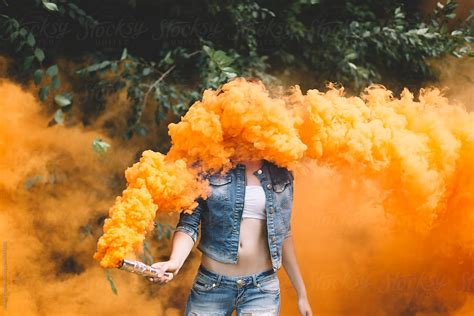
{"x": 288, "y": 234}
{"x": 187, "y": 231}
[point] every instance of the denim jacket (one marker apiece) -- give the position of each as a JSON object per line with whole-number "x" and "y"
{"x": 221, "y": 213}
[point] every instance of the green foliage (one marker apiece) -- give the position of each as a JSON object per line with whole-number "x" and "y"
{"x": 111, "y": 281}
{"x": 23, "y": 44}
{"x": 355, "y": 43}
{"x": 146, "y": 256}
{"x": 162, "y": 231}
{"x": 219, "y": 68}
{"x": 100, "y": 146}
{"x": 206, "y": 43}
{"x": 50, "y": 5}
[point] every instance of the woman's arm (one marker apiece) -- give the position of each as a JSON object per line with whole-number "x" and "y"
{"x": 182, "y": 245}
{"x": 184, "y": 238}
{"x": 290, "y": 264}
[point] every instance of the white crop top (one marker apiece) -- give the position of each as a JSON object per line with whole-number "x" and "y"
{"x": 254, "y": 205}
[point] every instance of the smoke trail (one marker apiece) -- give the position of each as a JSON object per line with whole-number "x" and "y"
{"x": 154, "y": 185}
{"x": 389, "y": 206}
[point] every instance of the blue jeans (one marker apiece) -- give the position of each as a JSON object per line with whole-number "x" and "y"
{"x": 218, "y": 295}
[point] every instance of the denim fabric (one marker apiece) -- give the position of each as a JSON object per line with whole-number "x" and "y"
{"x": 218, "y": 295}
{"x": 221, "y": 213}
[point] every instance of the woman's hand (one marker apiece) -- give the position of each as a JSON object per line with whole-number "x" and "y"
{"x": 165, "y": 266}
{"x": 304, "y": 307}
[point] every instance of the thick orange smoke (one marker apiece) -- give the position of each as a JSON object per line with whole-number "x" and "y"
{"x": 239, "y": 122}
{"x": 383, "y": 216}
{"x": 154, "y": 184}
{"x": 53, "y": 193}
{"x": 416, "y": 155}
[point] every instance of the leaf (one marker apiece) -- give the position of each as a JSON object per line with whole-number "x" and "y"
{"x": 114, "y": 67}
{"x": 55, "y": 82}
{"x": 111, "y": 282}
{"x": 62, "y": 100}
{"x": 38, "y": 76}
{"x": 50, "y": 6}
{"x": 39, "y": 53}
{"x": 43, "y": 93}
{"x": 351, "y": 56}
{"x": 456, "y": 54}
{"x": 220, "y": 58}
{"x": 28, "y": 62}
{"x": 352, "y": 66}
{"x": 146, "y": 71}
{"x": 100, "y": 146}
{"x": 104, "y": 64}
{"x": 30, "y": 40}
{"x": 208, "y": 50}
{"x": 14, "y": 35}
{"x": 59, "y": 117}
{"x": 52, "y": 71}
{"x": 422, "y": 31}
{"x": 168, "y": 60}
{"x": 229, "y": 72}
{"x": 124, "y": 54}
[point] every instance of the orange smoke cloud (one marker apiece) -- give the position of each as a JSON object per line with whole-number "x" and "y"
{"x": 383, "y": 216}
{"x": 239, "y": 122}
{"x": 53, "y": 193}
{"x": 154, "y": 184}
{"x": 412, "y": 147}
{"x": 411, "y": 160}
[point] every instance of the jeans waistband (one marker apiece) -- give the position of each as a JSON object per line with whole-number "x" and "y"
{"x": 239, "y": 280}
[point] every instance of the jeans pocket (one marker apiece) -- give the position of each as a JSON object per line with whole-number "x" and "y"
{"x": 204, "y": 283}
{"x": 269, "y": 285}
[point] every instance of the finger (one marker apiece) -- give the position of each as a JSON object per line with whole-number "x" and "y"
{"x": 161, "y": 268}
{"x": 166, "y": 277}
{"x": 169, "y": 277}
{"x": 157, "y": 265}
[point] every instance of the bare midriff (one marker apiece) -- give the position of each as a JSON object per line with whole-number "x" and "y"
{"x": 253, "y": 255}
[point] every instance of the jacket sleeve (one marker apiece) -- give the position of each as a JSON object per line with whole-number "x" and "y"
{"x": 189, "y": 223}
{"x": 288, "y": 234}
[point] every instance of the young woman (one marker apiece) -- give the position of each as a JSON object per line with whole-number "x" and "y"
{"x": 245, "y": 238}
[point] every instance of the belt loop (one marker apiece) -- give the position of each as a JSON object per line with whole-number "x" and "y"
{"x": 254, "y": 280}
{"x": 219, "y": 278}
